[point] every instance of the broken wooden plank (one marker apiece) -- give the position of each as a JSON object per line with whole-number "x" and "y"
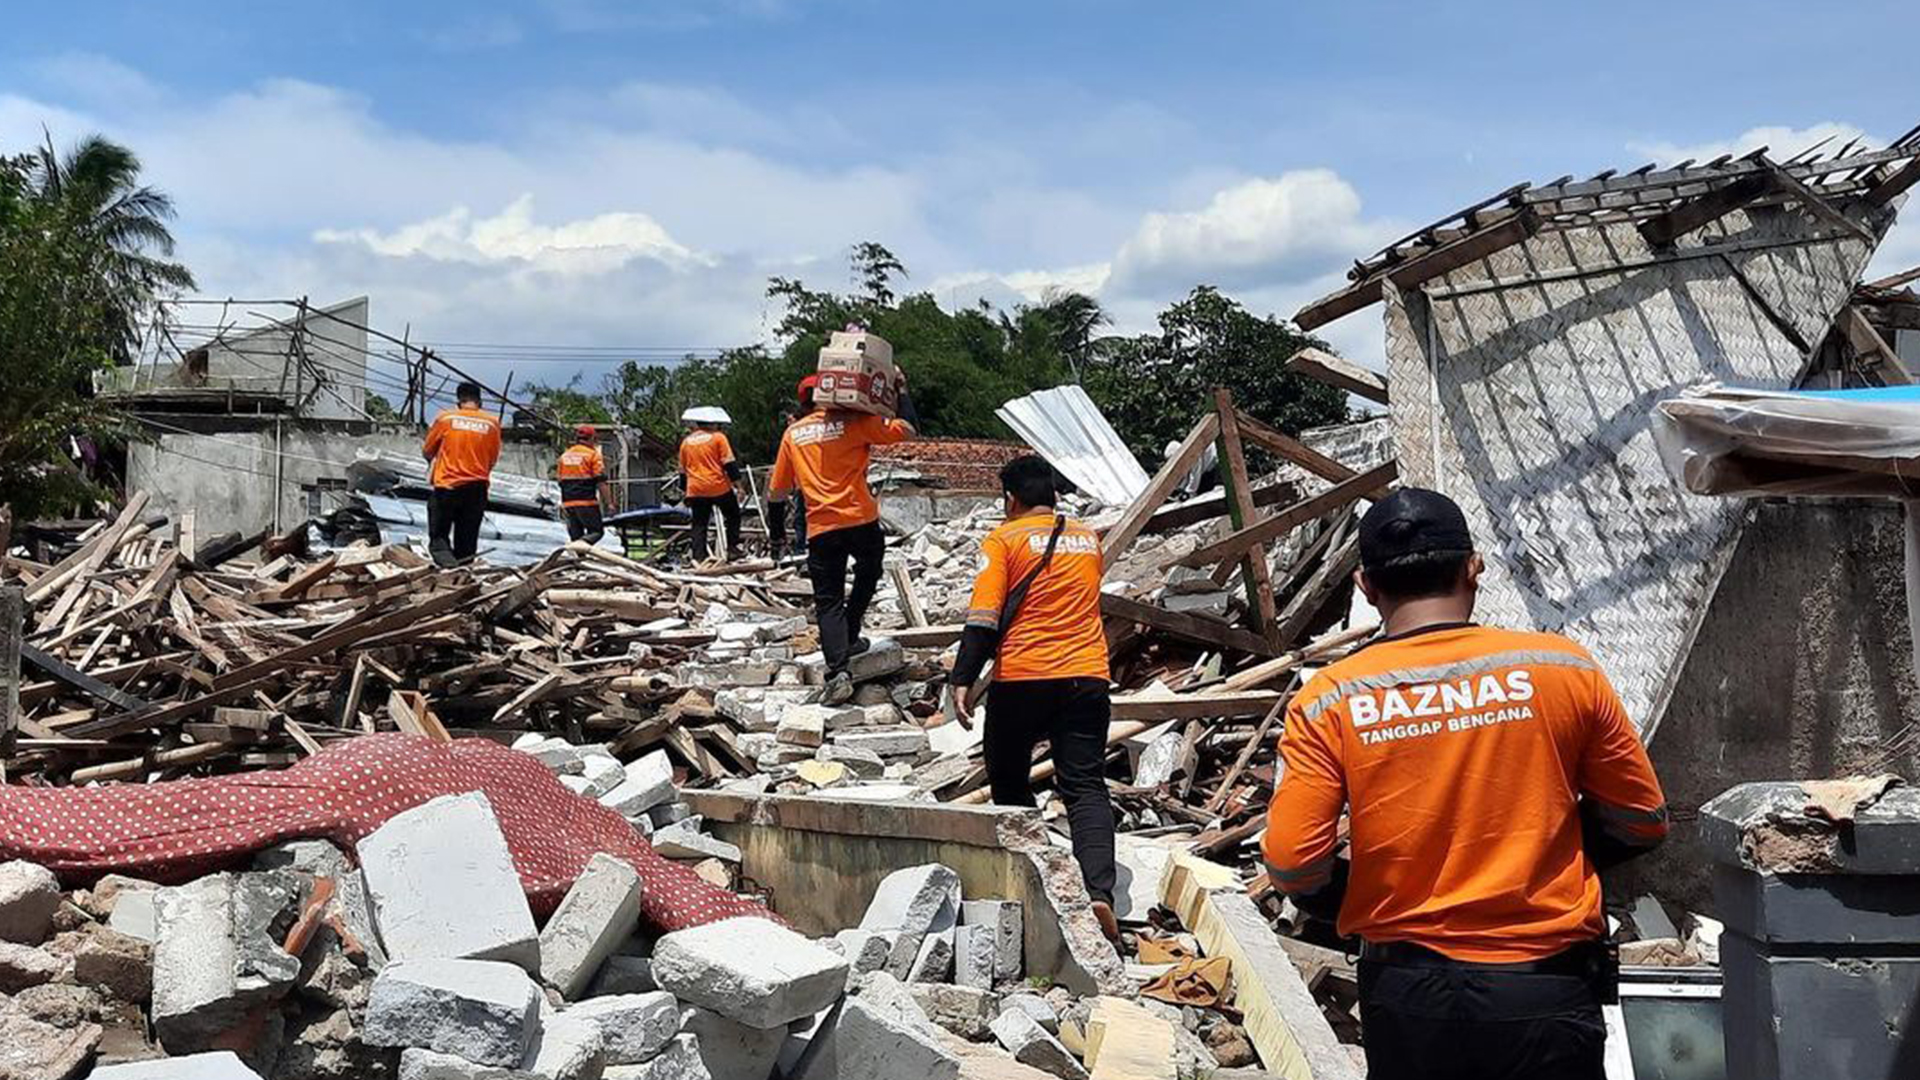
{"x": 624, "y": 605}
{"x": 122, "y": 770}
{"x": 353, "y": 629}
{"x": 909, "y": 600}
{"x": 1159, "y": 707}
{"x": 79, "y": 680}
{"x": 1446, "y": 258}
{"x": 1268, "y": 670}
{"x": 1323, "y": 366}
{"x": 1254, "y": 570}
{"x": 1663, "y": 229}
{"x": 1342, "y": 494}
{"x": 1818, "y": 204}
{"x": 1177, "y": 466}
{"x": 1197, "y": 628}
{"x": 1866, "y": 341}
{"x": 528, "y": 697}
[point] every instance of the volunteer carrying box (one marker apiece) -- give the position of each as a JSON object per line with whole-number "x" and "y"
{"x": 856, "y": 372}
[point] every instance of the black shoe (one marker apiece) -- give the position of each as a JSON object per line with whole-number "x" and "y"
{"x": 444, "y": 559}
{"x": 838, "y": 689}
{"x": 858, "y": 646}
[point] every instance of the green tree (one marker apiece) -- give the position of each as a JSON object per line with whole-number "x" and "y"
{"x": 1153, "y": 388}
{"x": 81, "y": 265}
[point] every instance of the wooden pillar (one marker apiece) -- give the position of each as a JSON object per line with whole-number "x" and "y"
{"x": 1254, "y": 571}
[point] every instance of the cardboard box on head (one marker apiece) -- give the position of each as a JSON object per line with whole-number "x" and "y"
{"x": 856, "y": 372}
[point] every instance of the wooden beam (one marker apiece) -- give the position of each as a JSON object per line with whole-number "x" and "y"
{"x": 1662, "y": 230}
{"x": 1200, "y": 706}
{"x": 354, "y": 629}
{"x": 1325, "y": 367}
{"x": 909, "y": 600}
{"x": 1177, "y": 465}
{"x": 1903, "y": 178}
{"x": 1444, "y": 259}
{"x": 1272, "y": 439}
{"x": 1197, "y": 628}
{"x": 1867, "y": 342}
{"x": 926, "y": 637}
{"x": 1900, "y": 315}
{"x": 79, "y": 680}
{"x": 1254, "y": 569}
{"x": 1269, "y": 670}
{"x": 1818, "y": 204}
{"x": 1214, "y": 504}
{"x": 1335, "y": 569}
{"x": 1335, "y": 497}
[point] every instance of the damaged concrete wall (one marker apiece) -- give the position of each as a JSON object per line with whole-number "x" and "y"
{"x": 1522, "y": 387}
{"x": 1801, "y": 669}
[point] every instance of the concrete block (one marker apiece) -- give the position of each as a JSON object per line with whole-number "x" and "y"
{"x": 883, "y": 657}
{"x": 29, "y": 895}
{"x": 934, "y": 962}
{"x": 876, "y": 793}
{"x": 482, "y": 1010}
{"x": 633, "y": 1027}
{"x": 624, "y": 975}
{"x": 886, "y": 742}
{"x": 884, "y": 714}
{"x": 1037, "y": 1007}
{"x": 1029, "y": 1043}
{"x": 864, "y": 764}
{"x": 749, "y": 969}
{"x": 719, "y": 676}
{"x": 866, "y": 950}
{"x": 217, "y": 953}
{"x": 25, "y": 966}
{"x": 576, "y": 784}
{"x": 1215, "y": 604}
{"x": 680, "y": 842}
{"x": 648, "y": 783}
{"x": 563, "y": 1050}
{"x": 31, "y": 1049}
{"x": 963, "y": 1010}
{"x": 219, "y": 1065}
{"x": 669, "y": 813}
{"x": 974, "y": 951}
{"x": 803, "y": 725}
{"x": 558, "y": 755}
{"x": 871, "y": 1044}
{"x": 601, "y": 773}
{"x": 823, "y": 774}
{"x": 730, "y": 1049}
{"x": 443, "y": 885}
{"x": 600, "y": 911}
{"x": 133, "y": 914}
{"x": 679, "y": 1061}
{"x": 1006, "y": 920}
{"x": 917, "y": 899}
{"x": 120, "y": 964}
{"x": 1650, "y": 920}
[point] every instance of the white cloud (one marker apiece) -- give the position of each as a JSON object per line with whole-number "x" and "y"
{"x": 1781, "y": 143}
{"x": 592, "y": 245}
{"x": 1258, "y": 232}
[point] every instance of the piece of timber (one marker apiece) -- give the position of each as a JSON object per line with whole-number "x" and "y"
{"x": 1214, "y": 504}
{"x": 1867, "y": 341}
{"x": 1270, "y": 438}
{"x": 1176, "y": 467}
{"x": 1126, "y": 1042}
{"x": 178, "y": 756}
{"x": 1323, "y": 366}
{"x": 1307, "y": 601}
{"x": 1281, "y": 1017}
{"x": 926, "y": 637}
{"x": 1196, "y": 628}
{"x": 1819, "y": 205}
{"x": 623, "y": 605}
{"x": 1663, "y": 229}
{"x": 1446, "y": 258}
{"x": 1268, "y": 670}
{"x": 355, "y": 628}
{"x": 79, "y": 680}
{"x": 1239, "y": 766}
{"x": 1194, "y": 706}
{"x": 160, "y": 715}
{"x": 1342, "y": 494}
{"x": 909, "y": 600}
{"x": 1895, "y": 316}
{"x": 1254, "y": 570}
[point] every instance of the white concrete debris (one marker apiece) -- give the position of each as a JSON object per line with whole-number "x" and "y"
{"x": 886, "y": 742}
{"x": 872, "y": 1044}
{"x": 633, "y": 1027}
{"x": 749, "y": 969}
{"x": 679, "y": 1061}
{"x": 730, "y": 1049}
{"x": 566, "y": 1048}
{"x": 29, "y": 895}
{"x": 602, "y": 774}
{"x": 648, "y": 783}
{"x": 442, "y": 857}
{"x": 482, "y": 1010}
{"x": 934, "y": 962}
{"x": 1030, "y": 1044}
{"x": 600, "y": 911}
{"x": 1037, "y": 1007}
{"x": 802, "y": 725}
{"x": 213, "y": 959}
{"x": 218, "y": 1065}
{"x": 133, "y": 914}
{"x": 866, "y": 950}
{"x": 681, "y": 842}
{"x": 918, "y": 900}
{"x": 963, "y": 1010}
{"x": 1007, "y": 919}
{"x": 624, "y": 975}
{"x": 973, "y": 955}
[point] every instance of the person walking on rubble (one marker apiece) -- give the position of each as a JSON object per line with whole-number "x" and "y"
{"x": 824, "y": 455}
{"x": 585, "y": 495}
{"x": 1488, "y": 776}
{"x": 1035, "y": 612}
{"x": 461, "y": 449}
{"x": 708, "y": 474}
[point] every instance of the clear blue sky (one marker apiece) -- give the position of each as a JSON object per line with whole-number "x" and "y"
{"x": 588, "y": 172}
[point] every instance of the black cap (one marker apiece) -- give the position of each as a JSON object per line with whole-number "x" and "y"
{"x": 1412, "y": 521}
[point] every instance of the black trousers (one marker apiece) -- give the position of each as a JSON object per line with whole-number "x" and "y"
{"x": 1071, "y": 714}
{"x": 840, "y": 610}
{"x": 1467, "y": 1022}
{"x": 703, "y": 507}
{"x": 799, "y": 525}
{"x": 453, "y": 518}
{"x": 585, "y": 523}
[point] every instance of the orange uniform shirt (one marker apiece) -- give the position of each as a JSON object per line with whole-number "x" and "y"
{"x": 1057, "y": 633}
{"x": 464, "y": 444}
{"x": 580, "y": 471}
{"x": 825, "y": 455}
{"x": 1460, "y": 754}
{"x": 703, "y": 460}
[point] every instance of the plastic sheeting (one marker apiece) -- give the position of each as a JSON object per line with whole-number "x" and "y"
{"x": 1064, "y": 426}
{"x": 1723, "y": 441}
{"x": 505, "y": 539}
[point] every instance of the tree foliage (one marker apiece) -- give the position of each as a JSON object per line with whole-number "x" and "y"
{"x": 82, "y": 261}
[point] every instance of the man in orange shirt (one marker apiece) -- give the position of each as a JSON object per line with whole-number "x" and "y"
{"x": 825, "y": 454}
{"x": 708, "y": 473}
{"x": 584, "y": 494}
{"x": 1035, "y": 612}
{"x": 1487, "y": 775}
{"x": 461, "y": 448}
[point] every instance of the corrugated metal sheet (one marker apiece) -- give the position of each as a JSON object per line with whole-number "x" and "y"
{"x": 505, "y": 539}
{"x": 1064, "y": 426}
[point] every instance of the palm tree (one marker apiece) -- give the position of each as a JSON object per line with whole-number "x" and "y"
{"x": 95, "y": 192}
{"x": 1075, "y": 317}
